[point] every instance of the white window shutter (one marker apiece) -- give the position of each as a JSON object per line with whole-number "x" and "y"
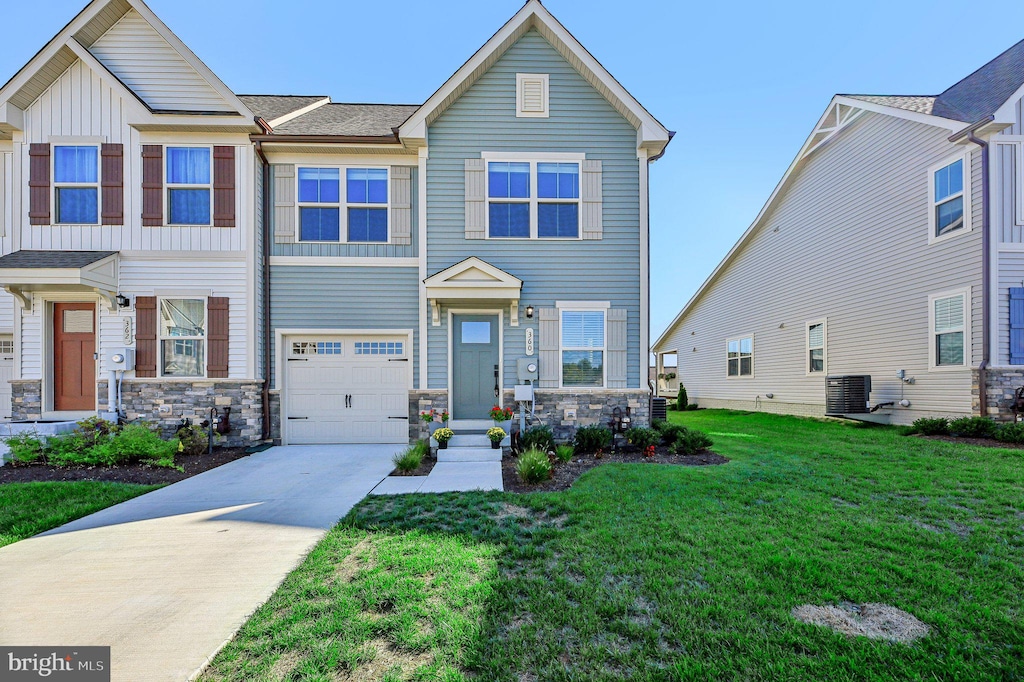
{"x": 592, "y": 200}
{"x": 401, "y": 205}
{"x": 476, "y": 199}
{"x": 548, "y": 355}
{"x": 616, "y": 371}
{"x": 284, "y": 203}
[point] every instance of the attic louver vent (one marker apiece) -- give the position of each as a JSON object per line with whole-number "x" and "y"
{"x": 532, "y": 95}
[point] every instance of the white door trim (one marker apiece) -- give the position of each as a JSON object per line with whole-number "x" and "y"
{"x": 500, "y": 312}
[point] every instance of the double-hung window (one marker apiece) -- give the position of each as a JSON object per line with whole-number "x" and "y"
{"x": 182, "y": 337}
{"x": 948, "y": 198}
{"x": 948, "y": 330}
{"x": 583, "y": 347}
{"x": 740, "y": 357}
{"x": 360, "y": 214}
{"x": 76, "y": 184}
{"x": 816, "y": 347}
{"x": 188, "y": 186}
{"x": 533, "y": 199}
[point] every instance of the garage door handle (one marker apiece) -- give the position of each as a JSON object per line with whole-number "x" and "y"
{"x": 405, "y": 418}
{"x": 298, "y": 359}
{"x": 398, "y": 359}
{"x": 298, "y": 417}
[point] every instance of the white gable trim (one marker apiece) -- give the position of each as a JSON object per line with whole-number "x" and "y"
{"x": 927, "y": 119}
{"x": 650, "y": 133}
{"x": 1006, "y": 113}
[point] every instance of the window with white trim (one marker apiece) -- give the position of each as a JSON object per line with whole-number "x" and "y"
{"x": 76, "y": 184}
{"x": 740, "y": 357}
{"x": 189, "y": 185}
{"x": 532, "y": 95}
{"x": 948, "y": 196}
{"x": 948, "y": 330}
{"x": 582, "y": 347}
{"x": 359, "y": 215}
{"x": 182, "y": 335}
{"x": 816, "y": 347}
{"x": 533, "y": 199}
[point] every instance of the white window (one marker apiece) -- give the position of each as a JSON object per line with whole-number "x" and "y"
{"x": 816, "y": 355}
{"x": 182, "y": 337}
{"x": 532, "y": 95}
{"x": 317, "y": 348}
{"x": 76, "y": 184}
{"x": 948, "y": 324}
{"x": 582, "y": 347}
{"x": 740, "y": 357}
{"x": 189, "y": 185}
{"x": 533, "y": 198}
{"x": 949, "y": 198}
{"x": 379, "y": 347}
{"x": 359, "y": 214}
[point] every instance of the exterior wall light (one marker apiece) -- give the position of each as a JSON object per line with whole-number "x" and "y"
{"x": 529, "y": 312}
{"x": 123, "y": 301}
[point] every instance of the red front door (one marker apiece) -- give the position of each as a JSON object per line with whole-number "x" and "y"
{"x": 74, "y": 365}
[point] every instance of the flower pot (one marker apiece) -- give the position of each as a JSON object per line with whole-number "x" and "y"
{"x": 442, "y": 445}
{"x": 433, "y": 426}
{"x": 500, "y": 423}
{"x": 495, "y": 444}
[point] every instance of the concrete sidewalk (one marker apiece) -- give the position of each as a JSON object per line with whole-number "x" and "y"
{"x": 167, "y": 578}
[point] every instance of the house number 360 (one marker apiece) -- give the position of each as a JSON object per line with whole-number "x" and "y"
{"x": 529, "y": 340}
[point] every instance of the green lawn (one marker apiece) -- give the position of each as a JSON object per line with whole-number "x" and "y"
{"x": 652, "y": 572}
{"x": 30, "y": 508}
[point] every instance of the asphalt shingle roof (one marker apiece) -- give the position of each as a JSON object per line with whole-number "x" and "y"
{"x": 918, "y": 103}
{"x": 362, "y": 120}
{"x": 269, "y": 107}
{"x": 52, "y": 259}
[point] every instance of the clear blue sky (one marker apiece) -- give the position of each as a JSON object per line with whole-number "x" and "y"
{"x": 741, "y": 82}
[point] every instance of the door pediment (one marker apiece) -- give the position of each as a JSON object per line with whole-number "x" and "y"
{"x": 473, "y": 279}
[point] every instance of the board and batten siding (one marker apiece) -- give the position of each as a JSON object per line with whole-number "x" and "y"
{"x": 581, "y": 121}
{"x": 81, "y": 104}
{"x": 146, "y": 63}
{"x": 339, "y": 298}
{"x": 847, "y": 241}
{"x": 1008, "y": 225}
{"x": 8, "y": 199}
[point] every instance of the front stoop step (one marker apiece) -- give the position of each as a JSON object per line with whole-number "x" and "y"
{"x": 470, "y": 425}
{"x": 451, "y": 454}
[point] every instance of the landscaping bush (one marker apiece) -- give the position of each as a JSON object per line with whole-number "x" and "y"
{"x": 681, "y": 399}
{"x": 539, "y": 437}
{"x": 1011, "y": 432}
{"x": 533, "y": 466}
{"x": 134, "y": 443}
{"x": 669, "y": 432}
{"x": 93, "y": 430}
{"x": 25, "y": 447}
{"x": 690, "y": 442}
{"x": 411, "y": 458}
{"x": 564, "y": 452}
{"x": 592, "y": 438}
{"x": 642, "y": 437}
{"x": 973, "y": 427}
{"x": 194, "y": 440}
{"x": 68, "y": 449}
{"x": 931, "y": 426}
{"x": 690, "y": 407}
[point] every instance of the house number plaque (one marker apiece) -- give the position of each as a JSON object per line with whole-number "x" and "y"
{"x": 127, "y": 331}
{"x": 529, "y": 340}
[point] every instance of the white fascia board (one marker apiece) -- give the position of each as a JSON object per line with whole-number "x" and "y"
{"x": 927, "y": 119}
{"x": 281, "y": 120}
{"x": 11, "y": 116}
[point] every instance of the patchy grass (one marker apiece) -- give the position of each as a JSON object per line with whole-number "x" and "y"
{"x": 27, "y": 509}
{"x": 671, "y": 573}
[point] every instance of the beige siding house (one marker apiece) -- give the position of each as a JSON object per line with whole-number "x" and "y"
{"x": 868, "y": 260}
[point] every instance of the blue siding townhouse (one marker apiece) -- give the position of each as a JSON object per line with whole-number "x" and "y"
{"x": 398, "y": 258}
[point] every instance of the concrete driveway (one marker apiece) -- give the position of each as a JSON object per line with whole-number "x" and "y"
{"x": 167, "y": 578}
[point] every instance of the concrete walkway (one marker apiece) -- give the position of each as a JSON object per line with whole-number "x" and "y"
{"x": 167, "y": 578}
{"x": 446, "y": 477}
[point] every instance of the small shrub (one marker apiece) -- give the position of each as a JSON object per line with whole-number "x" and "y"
{"x": 411, "y": 458}
{"x": 1011, "y": 432}
{"x": 93, "y": 430}
{"x": 592, "y": 438}
{"x": 194, "y": 440}
{"x": 533, "y": 466}
{"x": 690, "y": 442}
{"x": 681, "y": 398}
{"x": 564, "y": 453}
{"x": 931, "y": 426}
{"x": 25, "y": 447}
{"x": 690, "y": 407}
{"x": 135, "y": 442}
{"x": 539, "y": 437}
{"x": 973, "y": 427}
{"x": 642, "y": 437}
{"x": 670, "y": 432}
{"x": 69, "y": 449}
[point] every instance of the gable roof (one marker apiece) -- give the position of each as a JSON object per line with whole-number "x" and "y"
{"x": 651, "y": 134}
{"x": 921, "y": 104}
{"x": 356, "y": 120}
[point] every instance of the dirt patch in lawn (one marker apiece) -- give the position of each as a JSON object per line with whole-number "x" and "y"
{"x": 12, "y": 472}
{"x": 876, "y": 621}
{"x": 422, "y": 470}
{"x": 565, "y": 475}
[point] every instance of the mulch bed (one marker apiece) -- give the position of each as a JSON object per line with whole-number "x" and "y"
{"x": 424, "y": 468}
{"x": 145, "y": 474}
{"x": 566, "y": 474}
{"x": 980, "y": 442}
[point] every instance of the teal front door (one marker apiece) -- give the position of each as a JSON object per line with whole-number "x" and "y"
{"x": 475, "y": 365}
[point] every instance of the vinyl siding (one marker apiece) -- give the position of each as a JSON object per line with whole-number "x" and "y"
{"x": 146, "y": 63}
{"x": 341, "y": 298}
{"x": 581, "y": 120}
{"x": 846, "y": 241}
{"x": 1008, "y": 225}
{"x": 354, "y": 250}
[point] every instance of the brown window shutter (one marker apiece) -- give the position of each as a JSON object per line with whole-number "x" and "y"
{"x": 152, "y": 185}
{"x": 145, "y": 336}
{"x": 224, "y": 187}
{"x": 217, "y": 336}
{"x": 112, "y": 181}
{"x": 39, "y": 184}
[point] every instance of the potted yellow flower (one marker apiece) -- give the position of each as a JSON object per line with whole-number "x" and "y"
{"x": 442, "y": 436}
{"x": 496, "y": 434}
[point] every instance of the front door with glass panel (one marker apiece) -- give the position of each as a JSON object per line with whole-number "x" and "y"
{"x": 475, "y": 365}
{"x": 74, "y": 367}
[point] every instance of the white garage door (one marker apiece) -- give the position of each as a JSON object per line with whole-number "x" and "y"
{"x": 6, "y": 374}
{"x": 347, "y": 389}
